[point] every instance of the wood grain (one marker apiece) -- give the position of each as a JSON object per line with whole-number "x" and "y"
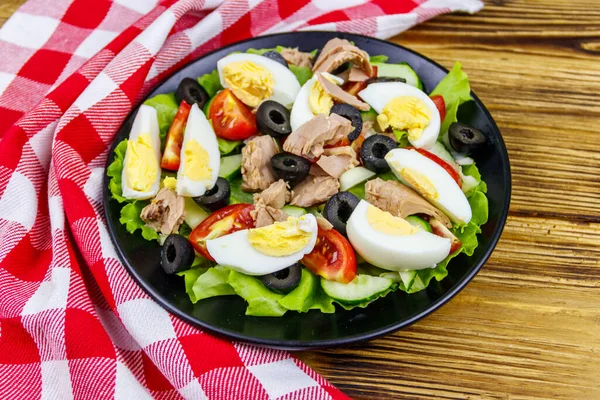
{"x": 7, "y": 8}
{"x": 528, "y": 326}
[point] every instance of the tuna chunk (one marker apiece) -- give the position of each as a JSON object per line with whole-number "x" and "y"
{"x": 296, "y": 57}
{"x": 309, "y": 139}
{"x": 400, "y": 200}
{"x": 275, "y": 195}
{"x": 340, "y": 95}
{"x": 356, "y": 74}
{"x": 256, "y": 163}
{"x": 165, "y": 213}
{"x": 339, "y": 51}
{"x": 314, "y": 190}
{"x": 268, "y": 203}
{"x": 337, "y": 160}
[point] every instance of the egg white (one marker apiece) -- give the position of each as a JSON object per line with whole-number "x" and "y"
{"x": 301, "y": 112}
{"x": 419, "y": 250}
{"x": 378, "y": 95}
{"x": 285, "y": 84}
{"x": 451, "y": 199}
{"x": 145, "y": 122}
{"x": 236, "y": 252}
{"x": 198, "y": 128}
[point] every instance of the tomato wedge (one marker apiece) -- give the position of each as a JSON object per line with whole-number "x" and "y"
{"x": 231, "y": 119}
{"x": 441, "y": 163}
{"x": 222, "y": 222}
{"x": 332, "y": 258}
{"x": 439, "y": 102}
{"x": 171, "y": 156}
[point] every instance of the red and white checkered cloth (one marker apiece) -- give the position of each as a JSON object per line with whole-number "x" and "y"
{"x": 73, "y": 324}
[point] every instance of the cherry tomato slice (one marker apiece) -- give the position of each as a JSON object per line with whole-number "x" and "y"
{"x": 332, "y": 258}
{"x": 171, "y": 156}
{"x": 441, "y": 163}
{"x": 439, "y": 102}
{"x": 231, "y": 119}
{"x": 222, "y": 222}
{"x": 440, "y": 229}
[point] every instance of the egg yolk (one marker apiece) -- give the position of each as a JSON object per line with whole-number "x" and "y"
{"x": 248, "y": 81}
{"x": 280, "y": 239}
{"x": 170, "y": 183}
{"x": 142, "y": 166}
{"x": 196, "y": 161}
{"x": 384, "y": 222}
{"x": 319, "y": 101}
{"x": 405, "y": 113}
{"x": 419, "y": 182}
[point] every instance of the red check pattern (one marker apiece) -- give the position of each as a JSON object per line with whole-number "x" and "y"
{"x": 73, "y": 324}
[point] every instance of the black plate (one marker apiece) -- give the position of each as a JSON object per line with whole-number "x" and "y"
{"x": 225, "y": 315}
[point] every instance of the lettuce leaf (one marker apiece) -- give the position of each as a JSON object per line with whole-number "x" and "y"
{"x": 227, "y": 146}
{"x": 211, "y": 83}
{"x": 456, "y": 90}
{"x": 166, "y": 107}
{"x": 213, "y": 282}
{"x": 472, "y": 170}
{"x": 303, "y": 74}
{"x": 130, "y": 217}
{"x": 308, "y": 295}
{"x": 237, "y": 195}
{"x": 401, "y": 138}
{"x": 191, "y": 276}
{"x": 115, "y": 172}
{"x": 261, "y": 301}
{"x": 378, "y": 59}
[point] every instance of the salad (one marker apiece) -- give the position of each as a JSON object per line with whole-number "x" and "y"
{"x": 301, "y": 181}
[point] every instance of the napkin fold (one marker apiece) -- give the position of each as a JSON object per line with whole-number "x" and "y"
{"x": 73, "y": 324}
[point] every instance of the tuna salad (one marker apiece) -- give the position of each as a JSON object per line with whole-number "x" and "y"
{"x": 304, "y": 179}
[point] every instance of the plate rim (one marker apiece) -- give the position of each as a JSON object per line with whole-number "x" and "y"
{"x": 327, "y": 343}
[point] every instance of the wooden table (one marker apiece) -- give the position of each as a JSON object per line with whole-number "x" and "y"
{"x": 528, "y": 326}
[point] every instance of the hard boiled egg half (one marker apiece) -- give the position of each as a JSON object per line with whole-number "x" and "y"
{"x": 141, "y": 170}
{"x": 253, "y": 79}
{"x": 391, "y": 242}
{"x": 200, "y": 159}
{"x": 265, "y": 250}
{"x": 312, "y": 100}
{"x": 404, "y": 107}
{"x": 431, "y": 181}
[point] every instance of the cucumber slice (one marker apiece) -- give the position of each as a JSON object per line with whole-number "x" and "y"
{"x": 293, "y": 210}
{"x": 408, "y": 277}
{"x": 370, "y": 115}
{"x": 354, "y": 176}
{"x": 194, "y": 214}
{"x": 230, "y": 166}
{"x": 362, "y": 288}
{"x": 419, "y": 223}
{"x": 402, "y": 70}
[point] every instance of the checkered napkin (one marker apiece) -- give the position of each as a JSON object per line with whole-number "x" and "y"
{"x": 73, "y": 324}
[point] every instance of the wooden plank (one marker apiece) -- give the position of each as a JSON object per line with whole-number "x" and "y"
{"x": 7, "y": 8}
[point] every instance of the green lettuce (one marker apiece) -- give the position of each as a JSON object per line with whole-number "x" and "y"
{"x": 227, "y": 146}
{"x": 237, "y": 194}
{"x": 401, "y": 138}
{"x": 166, "y": 107}
{"x": 308, "y": 295}
{"x": 378, "y": 59}
{"x": 211, "y": 83}
{"x": 115, "y": 172}
{"x": 261, "y": 301}
{"x": 472, "y": 170}
{"x": 303, "y": 74}
{"x": 191, "y": 276}
{"x": 214, "y": 282}
{"x": 130, "y": 217}
{"x": 456, "y": 90}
